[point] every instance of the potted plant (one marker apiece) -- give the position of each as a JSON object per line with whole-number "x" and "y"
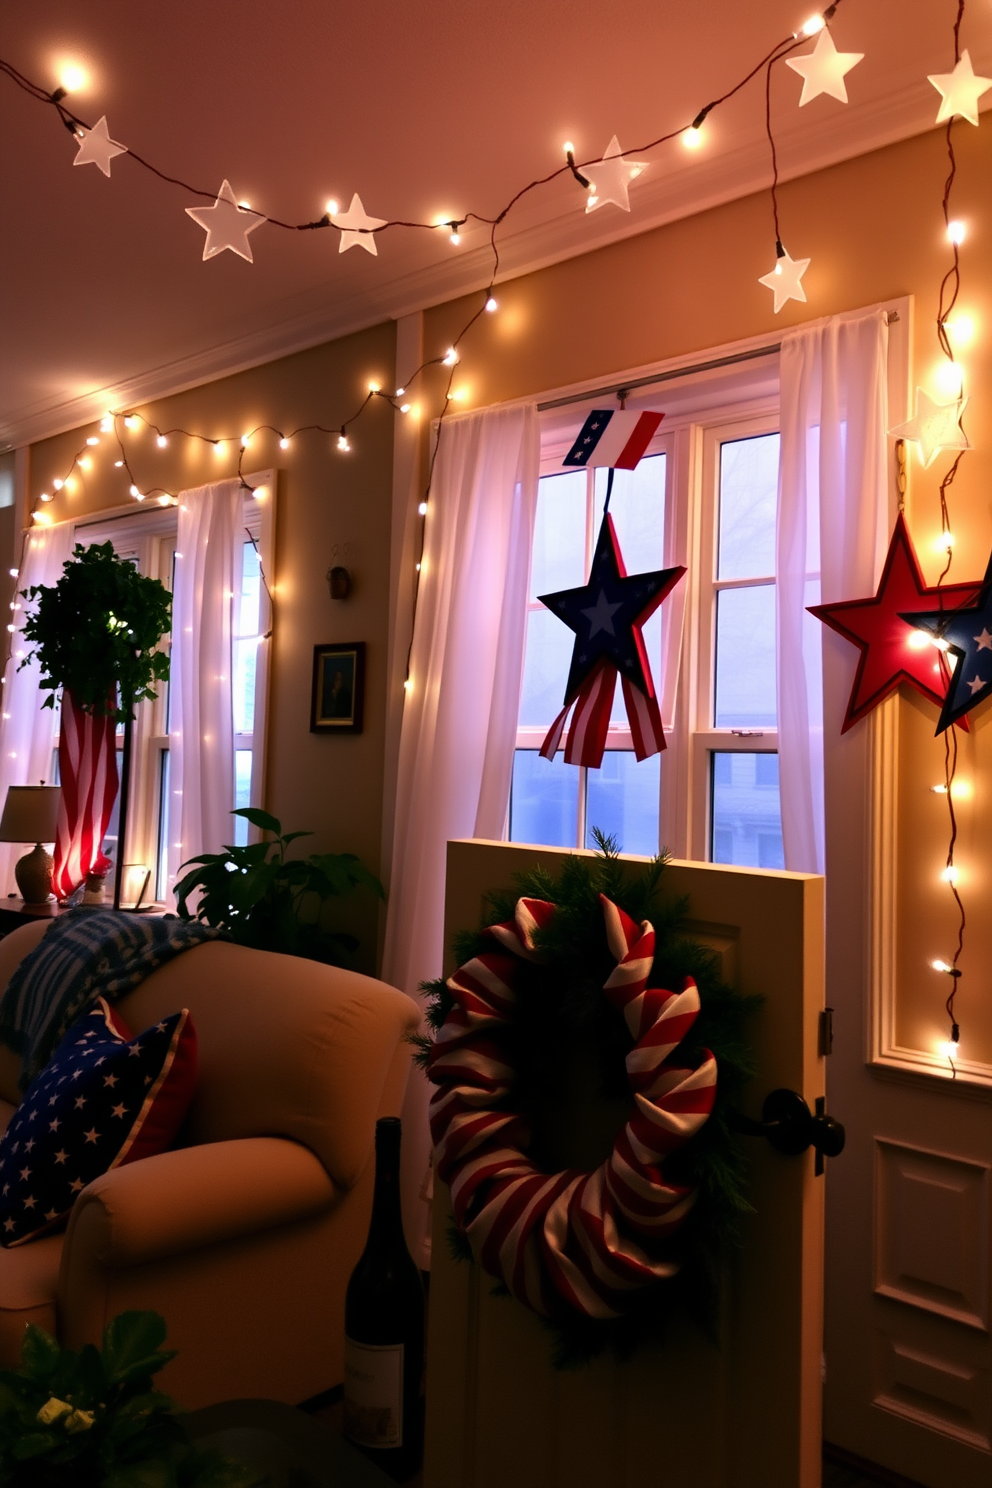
{"x": 95, "y": 635}
{"x": 93, "y": 1420}
{"x": 271, "y": 902}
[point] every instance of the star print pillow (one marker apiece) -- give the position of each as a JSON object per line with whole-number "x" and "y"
{"x": 105, "y": 1098}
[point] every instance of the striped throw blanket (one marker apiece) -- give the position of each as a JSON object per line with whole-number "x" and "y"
{"x": 84, "y": 955}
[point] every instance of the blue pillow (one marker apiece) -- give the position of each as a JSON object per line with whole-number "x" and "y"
{"x": 105, "y": 1098}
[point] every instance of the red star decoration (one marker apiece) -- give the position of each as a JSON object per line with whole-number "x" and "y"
{"x": 890, "y": 650}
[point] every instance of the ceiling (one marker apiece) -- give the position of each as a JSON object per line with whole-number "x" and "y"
{"x": 426, "y": 109}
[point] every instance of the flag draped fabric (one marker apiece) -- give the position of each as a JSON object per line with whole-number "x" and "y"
{"x": 614, "y": 437}
{"x": 569, "y": 1241}
{"x": 88, "y": 774}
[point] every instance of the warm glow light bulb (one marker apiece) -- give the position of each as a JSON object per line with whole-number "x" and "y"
{"x": 422, "y": 509}
{"x": 45, "y": 496}
{"x": 161, "y": 441}
{"x": 245, "y": 441}
{"x": 918, "y": 640}
{"x": 939, "y": 965}
{"x": 956, "y": 231}
{"x": 92, "y": 439}
{"x": 72, "y": 77}
{"x": 455, "y": 238}
{"x": 492, "y": 304}
{"x": 450, "y": 357}
{"x": 948, "y": 1049}
{"x": 375, "y": 387}
{"x": 568, "y": 147}
{"x": 58, "y": 483}
{"x": 219, "y": 446}
{"x": 400, "y": 392}
{"x": 343, "y": 441}
{"x": 107, "y": 423}
{"x": 135, "y": 492}
{"x": 950, "y": 874}
{"x": 813, "y": 25}
{"x": 945, "y": 542}
{"x": 84, "y": 462}
{"x": 939, "y": 790}
{"x": 692, "y": 137}
{"x": 284, "y": 443}
{"x": 118, "y": 464}
{"x": 131, "y": 422}
{"x": 949, "y": 378}
{"x": 961, "y": 330}
{"x": 404, "y": 408}
{"x": 14, "y": 573}
{"x": 332, "y": 208}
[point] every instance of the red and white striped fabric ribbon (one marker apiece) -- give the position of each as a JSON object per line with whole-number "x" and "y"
{"x": 566, "y": 1241}
{"x": 587, "y": 732}
{"x": 88, "y": 773}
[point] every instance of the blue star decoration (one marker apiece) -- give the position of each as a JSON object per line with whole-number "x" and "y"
{"x": 607, "y": 614}
{"x": 967, "y": 634}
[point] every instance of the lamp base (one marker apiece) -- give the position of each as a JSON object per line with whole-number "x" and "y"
{"x": 33, "y": 874}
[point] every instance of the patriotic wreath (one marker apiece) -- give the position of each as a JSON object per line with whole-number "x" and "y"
{"x": 603, "y": 1254}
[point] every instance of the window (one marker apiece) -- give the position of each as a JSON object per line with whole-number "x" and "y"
{"x": 704, "y": 495}
{"x": 148, "y": 539}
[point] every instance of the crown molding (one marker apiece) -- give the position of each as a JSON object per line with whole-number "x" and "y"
{"x": 549, "y": 231}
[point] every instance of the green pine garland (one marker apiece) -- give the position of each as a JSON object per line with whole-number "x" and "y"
{"x": 561, "y": 1001}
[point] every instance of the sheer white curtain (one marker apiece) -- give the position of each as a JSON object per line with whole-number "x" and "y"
{"x": 460, "y": 717}
{"x": 832, "y": 519}
{"x": 201, "y": 708}
{"x": 27, "y": 729}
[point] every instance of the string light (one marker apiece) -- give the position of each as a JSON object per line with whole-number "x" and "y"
{"x": 400, "y": 392}
{"x": 284, "y": 443}
{"x": 131, "y": 421}
{"x": 956, "y": 232}
{"x": 133, "y": 491}
{"x": 404, "y": 408}
{"x": 343, "y": 441}
{"x": 422, "y": 509}
{"x": 245, "y": 441}
{"x": 332, "y": 208}
{"x": 161, "y": 441}
{"x": 92, "y": 439}
{"x": 118, "y": 464}
{"x": 45, "y": 496}
{"x": 455, "y": 237}
{"x": 58, "y": 483}
{"x": 85, "y": 463}
{"x": 72, "y": 78}
{"x": 692, "y": 137}
{"x": 107, "y": 423}
{"x": 492, "y": 304}
{"x": 450, "y": 357}
{"x": 375, "y": 387}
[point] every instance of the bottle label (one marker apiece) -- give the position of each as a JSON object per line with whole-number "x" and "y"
{"x": 373, "y": 1393}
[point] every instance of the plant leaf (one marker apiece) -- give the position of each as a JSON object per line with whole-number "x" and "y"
{"x": 40, "y": 1353}
{"x": 132, "y": 1346}
{"x": 259, "y": 818}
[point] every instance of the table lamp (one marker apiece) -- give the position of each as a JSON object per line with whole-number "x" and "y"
{"x": 31, "y": 814}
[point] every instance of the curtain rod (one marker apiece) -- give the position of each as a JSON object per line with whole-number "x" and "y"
{"x": 614, "y": 389}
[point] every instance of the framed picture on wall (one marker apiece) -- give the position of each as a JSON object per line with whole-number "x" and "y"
{"x": 338, "y": 689}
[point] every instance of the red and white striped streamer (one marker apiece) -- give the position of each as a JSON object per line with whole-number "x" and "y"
{"x": 88, "y": 773}
{"x": 586, "y": 741}
{"x": 579, "y": 1241}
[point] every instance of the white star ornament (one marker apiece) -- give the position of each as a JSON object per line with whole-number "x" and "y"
{"x": 959, "y": 90}
{"x": 823, "y": 69}
{"x": 610, "y": 178}
{"x": 358, "y": 228}
{"x": 785, "y": 280}
{"x": 226, "y": 224}
{"x": 935, "y": 426}
{"x": 97, "y": 148}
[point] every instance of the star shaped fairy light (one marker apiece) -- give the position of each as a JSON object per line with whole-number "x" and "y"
{"x": 96, "y": 147}
{"x": 959, "y": 90}
{"x": 785, "y": 279}
{"x": 823, "y": 69}
{"x": 935, "y": 426}
{"x": 609, "y": 179}
{"x": 358, "y": 228}
{"x": 226, "y": 224}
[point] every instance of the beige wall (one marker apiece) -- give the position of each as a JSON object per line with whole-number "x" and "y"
{"x": 873, "y": 230}
{"x": 332, "y": 786}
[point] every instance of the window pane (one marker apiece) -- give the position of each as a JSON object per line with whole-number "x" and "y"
{"x": 745, "y": 658}
{"x": 242, "y": 794}
{"x": 544, "y": 800}
{"x": 622, "y": 799}
{"x": 162, "y": 843}
{"x": 546, "y": 663}
{"x": 245, "y": 661}
{"x": 746, "y": 815}
{"x": 559, "y": 533}
{"x": 637, "y": 507}
{"x": 748, "y": 500}
{"x": 250, "y": 586}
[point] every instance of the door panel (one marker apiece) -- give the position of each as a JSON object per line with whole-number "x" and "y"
{"x": 740, "y": 1413}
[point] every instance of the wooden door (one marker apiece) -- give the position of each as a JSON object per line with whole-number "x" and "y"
{"x": 743, "y": 1414}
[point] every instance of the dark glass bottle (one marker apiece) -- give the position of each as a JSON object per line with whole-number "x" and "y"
{"x": 384, "y": 1329}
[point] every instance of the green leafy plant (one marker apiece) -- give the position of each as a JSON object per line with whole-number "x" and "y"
{"x": 274, "y": 903}
{"x": 92, "y": 1419}
{"x": 96, "y": 632}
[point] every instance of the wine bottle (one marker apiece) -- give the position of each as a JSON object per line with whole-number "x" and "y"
{"x": 384, "y": 1329}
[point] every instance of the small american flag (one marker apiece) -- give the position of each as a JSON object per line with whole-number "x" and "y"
{"x": 614, "y": 437}
{"x": 88, "y": 772}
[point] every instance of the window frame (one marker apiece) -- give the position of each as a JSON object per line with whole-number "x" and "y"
{"x": 151, "y": 536}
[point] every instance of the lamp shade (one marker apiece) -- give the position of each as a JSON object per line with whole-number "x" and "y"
{"x": 30, "y": 813}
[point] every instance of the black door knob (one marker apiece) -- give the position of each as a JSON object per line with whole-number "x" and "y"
{"x": 791, "y": 1128}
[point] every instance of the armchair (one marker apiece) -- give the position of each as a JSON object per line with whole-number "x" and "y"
{"x": 244, "y": 1237}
